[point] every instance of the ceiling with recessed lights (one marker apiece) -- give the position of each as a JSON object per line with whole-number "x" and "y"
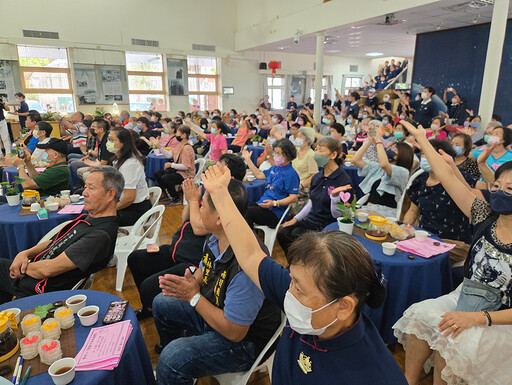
{"x": 397, "y": 36}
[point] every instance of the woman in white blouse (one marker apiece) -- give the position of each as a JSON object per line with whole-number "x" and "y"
{"x": 128, "y": 160}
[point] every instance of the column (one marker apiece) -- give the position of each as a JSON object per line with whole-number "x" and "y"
{"x": 493, "y": 60}
{"x": 319, "y": 73}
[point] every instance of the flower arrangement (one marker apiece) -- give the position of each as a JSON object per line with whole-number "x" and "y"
{"x": 48, "y": 116}
{"x": 99, "y": 112}
{"x": 256, "y": 138}
{"x": 346, "y": 208}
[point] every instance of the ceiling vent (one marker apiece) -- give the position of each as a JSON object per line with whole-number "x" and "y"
{"x": 353, "y": 68}
{"x": 146, "y": 43}
{"x": 40, "y": 34}
{"x": 203, "y": 47}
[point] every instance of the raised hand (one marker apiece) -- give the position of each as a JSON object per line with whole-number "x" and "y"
{"x": 447, "y": 158}
{"x": 482, "y": 159}
{"x": 214, "y": 179}
{"x": 246, "y": 154}
{"x": 191, "y": 192}
{"x": 416, "y": 132}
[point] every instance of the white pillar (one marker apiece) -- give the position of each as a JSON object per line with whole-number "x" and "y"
{"x": 319, "y": 73}
{"x": 493, "y": 60}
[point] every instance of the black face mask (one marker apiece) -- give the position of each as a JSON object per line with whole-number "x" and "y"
{"x": 93, "y": 132}
{"x": 179, "y": 138}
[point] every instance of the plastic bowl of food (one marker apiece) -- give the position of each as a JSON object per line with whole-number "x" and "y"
{"x": 421, "y": 235}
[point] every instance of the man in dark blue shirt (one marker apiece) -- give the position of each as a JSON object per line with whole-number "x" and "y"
{"x": 23, "y": 110}
{"x": 456, "y": 107}
{"x": 425, "y": 110}
{"x": 326, "y": 101}
{"x": 291, "y": 104}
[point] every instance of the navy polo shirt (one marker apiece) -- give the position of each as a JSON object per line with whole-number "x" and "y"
{"x": 372, "y": 102}
{"x": 320, "y": 214}
{"x": 425, "y": 112}
{"x": 281, "y": 182}
{"x": 353, "y": 109}
{"x": 23, "y": 108}
{"x": 356, "y": 356}
{"x": 291, "y": 105}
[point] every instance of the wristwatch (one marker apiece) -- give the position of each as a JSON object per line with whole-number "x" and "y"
{"x": 195, "y": 299}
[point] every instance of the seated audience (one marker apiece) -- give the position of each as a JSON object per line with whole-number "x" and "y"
{"x": 501, "y": 138}
{"x": 324, "y": 193}
{"x": 58, "y": 264}
{"x": 242, "y": 135}
{"x": 73, "y": 130}
{"x": 52, "y": 180}
{"x": 181, "y": 168}
{"x": 282, "y": 185}
{"x": 436, "y": 129}
{"x": 135, "y": 198}
{"x": 352, "y": 104}
{"x": 30, "y": 123}
{"x": 214, "y": 320}
{"x": 42, "y": 133}
{"x": 90, "y": 145}
{"x": 454, "y": 330}
{"x": 384, "y": 181}
{"x": 462, "y": 144}
{"x": 146, "y": 132}
{"x": 266, "y": 159}
{"x": 330, "y": 279}
{"x": 218, "y": 143}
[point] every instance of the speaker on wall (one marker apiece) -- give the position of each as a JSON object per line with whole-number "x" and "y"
{"x": 263, "y": 66}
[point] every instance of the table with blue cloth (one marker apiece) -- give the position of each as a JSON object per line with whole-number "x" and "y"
{"x": 230, "y": 139}
{"x": 10, "y": 173}
{"x": 255, "y": 189}
{"x": 153, "y": 164}
{"x": 18, "y": 233}
{"x": 256, "y": 152}
{"x": 134, "y": 366}
{"x": 356, "y": 179}
{"x": 409, "y": 281}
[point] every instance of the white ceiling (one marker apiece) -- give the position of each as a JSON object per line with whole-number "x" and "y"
{"x": 392, "y": 40}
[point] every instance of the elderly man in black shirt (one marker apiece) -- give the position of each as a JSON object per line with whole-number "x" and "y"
{"x": 82, "y": 247}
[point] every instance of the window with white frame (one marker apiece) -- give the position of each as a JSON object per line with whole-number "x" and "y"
{"x": 46, "y": 78}
{"x": 352, "y": 83}
{"x": 275, "y": 91}
{"x": 203, "y": 83}
{"x": 146, "y": 81}
{"x": 312, "y": 90}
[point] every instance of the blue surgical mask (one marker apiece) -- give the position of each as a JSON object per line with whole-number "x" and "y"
{"x": 299, "y": 142}
{"x": 399, "y": 135}
{"x": 44, "y": 157}
{"x": 425, "y": 166}
{"x": 365, "y": 116}
{"x": 272, "y": 141}
{"x": 475, "y": 125}
{"x": 349, "y": 120}
{"x": 213, "y": 130}
{"x": 129, "y": 125}
{"x": 139, "y": 126}
{"x": 326, "y": 121}
{"x": 384, "y": 122}
{"x": 458, "y": 150}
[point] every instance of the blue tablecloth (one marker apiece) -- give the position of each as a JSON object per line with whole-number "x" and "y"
{"x": 256, "y": 152}
{"x": 230, "y": 139}
{"x": 409, "y": 281}
{"x": 356, "y": 179}
{"x": 10, "y": 173}
{"x": 255, "y": 189}
{"x": 18, "y": 233}
{"x": 134, "y": 367}
{"x": 153, "y": 164}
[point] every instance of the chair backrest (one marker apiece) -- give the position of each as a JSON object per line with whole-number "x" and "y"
{"x": 401, "y": 201}
{"x": 155, "y": 193}
{"x": 137, "y": 235}
{"x": 283, "y": 217}
{"x": 50, "y": 234}
{"x": 201, "y": 162}
{"x": 84, "y": 283}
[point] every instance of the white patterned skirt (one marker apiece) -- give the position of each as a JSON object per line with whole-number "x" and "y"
{"x": 477, "y": 356}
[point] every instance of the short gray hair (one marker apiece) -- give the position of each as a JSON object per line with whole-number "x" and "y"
{"x": 281, "y": 129}
{"x": 112, "y": 179}
{"x": 376, "y": 123}
{"x": 309, "y": 134}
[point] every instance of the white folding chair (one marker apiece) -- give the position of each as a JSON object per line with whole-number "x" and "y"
{"x": 134, "y": 240}
{"x": 271, "y": 234}
{"x": 84, "y": 283}
{"x": 155, "y": 193}
{"x": 50, "y": 234}
{"x": 202, "y": 163}
{"x": 242, "y": 377}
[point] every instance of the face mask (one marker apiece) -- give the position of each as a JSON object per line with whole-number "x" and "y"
{"x": 153, "y": 118}
{"x": 272, "y": 141}
{"x": 425, "y": 166}
{"x": 501, "y": 202}
{"x": 399, "y": 135}
{"x": 300, "y": 122}
{"x": 35, "y": 133}
{"x": 274, "y": 120}
{"x": 402, "y": 117}
{"x": 265, "y": 122}
{"x": 129, "y": 125}
{"x": 300, "y": 316}
{"x": 179, "y": 138}
{"x": 418, "y": 97}
{"x": 384, "y": 122}
{"x": 253, "y": 132}
{"x": 385, "y": 99}
{"x": 214, "y": 115}
{"x": 321, "y": 160}
{"x": 231, "y": 114}
{"x": 458, "y": 150}
{"x": 475, "y": 125}
{"x": 93, "y": 132}
{"x": 111, "y": 147}
{"x": 44, "y": 157}
{"x": 349, "y": 120}
{"x": 326, "y": 121}
{"x": 493, "y": 139}
{"x": 387, "y": 133}
{"x": 466, "y": 124}
{"x": 299, "y": 143}
{"x": 454, "y": 102}
{"x": 424, "y": 95}
{"x": 279, "y": 160}
{"x": 139, "y": 126}
{"x": 434, "y": 127}
{"x": 486, "y": 138}
{"x": 213, "y": 130}
{"x": 204, "y": 116}
{"x": 365, "y": 116}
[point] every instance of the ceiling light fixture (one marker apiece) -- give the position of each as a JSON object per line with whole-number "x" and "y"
{"x": 374, "y": 54}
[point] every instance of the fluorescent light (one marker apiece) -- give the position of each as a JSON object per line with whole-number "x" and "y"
{"x": 374, "y": 54}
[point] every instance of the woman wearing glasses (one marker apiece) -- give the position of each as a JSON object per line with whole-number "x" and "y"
{"x": 467, "y": 333}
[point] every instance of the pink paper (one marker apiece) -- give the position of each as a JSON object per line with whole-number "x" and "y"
{"x": 40, "y": 169}
{"x": 158, "y": 154}
{"x": 424, "y": 249}
{"x": 71, "y": 209}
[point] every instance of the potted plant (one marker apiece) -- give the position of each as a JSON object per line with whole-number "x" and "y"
{"x": 100, "y": 111}
{"x": 12, "y": 193}
{"x": 348, "y": 212}
{"x": 255, "y": 139}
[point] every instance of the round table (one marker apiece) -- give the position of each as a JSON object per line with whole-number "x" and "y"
{"x": 256, "y": 152}
{"x": 230, "y": 139}
{"x": 10, "y": 173}
{"x": 134, "y": 366}
{"x": 255, "y": 189}
{"x": 409, "y": 281}
{"x": 154, "y": 163}
{"x": 18, "y": 233}
{"x": 356, "y": 179}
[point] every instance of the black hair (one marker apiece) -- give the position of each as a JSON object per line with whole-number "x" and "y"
{"x": 304, "y": 118}
{"x": 128, "y": 150}
{"x": 168, "y": 120}
{"x": 339, "y": 128}
{"x": 355, "y": 95}
{"x": 238, "y": 193}
{"x": 296, "y": 125}
{"x": 507, "y": 135}
{"x": 34, "y": 117}
{"x": 87, "y": 122}
{"x": 431, "y": 90}
{"x": 81, "y": 115}
{"x": 471, "y": 118}
{"x": 158, "y": 115}
{"x": 279, "y": 118}
{"x": 103, "y": 123}
{"x": 340, "y": 266}
{"x": 468, "y": 143}
{"x": 46, "y": 127}
{"x": 144, "y": 120}
{"x": 235, "y": 164}
{"x": 184, "y": 130}
{"x": 287, "y": 147}
{"x": 494, "y": 116}
{"x": 220, "y": 126}
{"x": 404, "y": 155}
{"x": 440, "y": 144}
{"x": 507, "y": 166}
{"x": 19, "y": 95}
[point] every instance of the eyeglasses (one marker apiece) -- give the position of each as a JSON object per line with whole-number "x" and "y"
{"x": 495, "y": 187}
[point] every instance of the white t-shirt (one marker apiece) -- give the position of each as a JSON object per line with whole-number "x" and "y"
{"x": 134, "y": 178}
{"x": 38, "y": 153}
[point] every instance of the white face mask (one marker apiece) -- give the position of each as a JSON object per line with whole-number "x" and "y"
{"x": 424, "y": 95}
{"x": 299, "y": 316}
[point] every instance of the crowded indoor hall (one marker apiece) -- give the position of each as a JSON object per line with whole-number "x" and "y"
{"x": 252, "y": 192}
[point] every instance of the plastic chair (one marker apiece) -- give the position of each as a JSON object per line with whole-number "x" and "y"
{"x": 241, "y": 378}
{"x": 271, "y": 234}
{"x": 50, "y": 234}
{"x": 401, "y": 201}
{"x": 202, "y": 163}
{"x": 84, "y": 283}
{"x": 134, "y": 240}
{"x": 155, "y": 193}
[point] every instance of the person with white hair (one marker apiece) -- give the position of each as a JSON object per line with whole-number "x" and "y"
{"x": 266, "y": 160}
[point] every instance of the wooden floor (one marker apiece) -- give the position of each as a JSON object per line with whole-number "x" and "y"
{"x": 105, "y": 281}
